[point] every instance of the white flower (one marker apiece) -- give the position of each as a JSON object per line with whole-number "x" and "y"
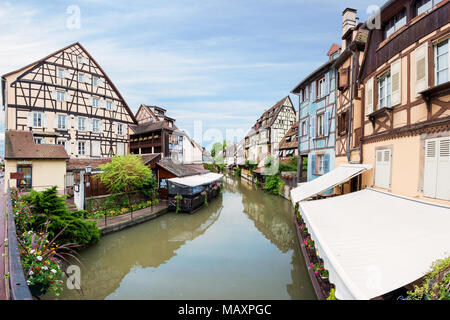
{"x": 28, "y": 282}
{"x": 44, "y": 268}
{"x": 31, "y": 272}
{"x": 32, "y": 251}
{"x": 39, "y": 258}
{"x": 53, "y": 271}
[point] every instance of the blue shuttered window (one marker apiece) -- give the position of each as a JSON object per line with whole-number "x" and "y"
{"x": 325, "y": 123}
{"x": 326, "y": 163}
{"x": 313, "y": 127}
{"x": 313, "y": 164}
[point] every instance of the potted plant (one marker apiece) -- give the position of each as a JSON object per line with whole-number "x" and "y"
{"x": 178, "y": 197}
{"x": 206, "y": 197}
{"x": 320, "y": 270}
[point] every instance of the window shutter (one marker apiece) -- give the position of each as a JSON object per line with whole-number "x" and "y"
{"x": 378, "y": 168}
{"x": 76, "y": 123}
{"x": 55, "y": 121}
{"x": 101, "y": 126}
{"x": 102, "y": 103}
{"x": 396, "y": 85}
{"x": 326, "y": 163}
{"x": 325, "y": 123}
{"x": 421, "y": 62}
{"x": 327, "y": 83}
{"x": 67, "y": 122}
{"x": 66, "y": 74}
{"x": 313, "y": 164}
{"x": 30, "y": 119}
{"x": 87, "y": 148}
{"x": 96, "y": 152}
{"x": 76, "y": 148}
{"x": 67, "y": 96}
{"x": 91, "y": 101}
{"x": 387, "y": 168}
{"x": 67, "y": 147}
{"x": 430, "y": 170}
{"x": 369, "y": 96}
{"x": 100, "y": 82}
{"x": 114, "y": 105}
{"x": 443, "y": 170}
{"x": 89, "y": 124}
{"x": 313, "y": 91}
{"x": 313, "y": 127}
{"x": 53, "y": 93}
{"x": 44, "y": 120}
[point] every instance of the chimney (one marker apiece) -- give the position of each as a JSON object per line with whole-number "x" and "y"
{"x": 348, "y": 19}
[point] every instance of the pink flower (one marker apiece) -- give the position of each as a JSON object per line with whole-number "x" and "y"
{"x": 316, "y": 272}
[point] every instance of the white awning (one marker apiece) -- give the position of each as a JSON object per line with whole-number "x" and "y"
{"x": 327, "y": 181}
{"x": 373, "y": 242}
{"x": 197, "y": 180}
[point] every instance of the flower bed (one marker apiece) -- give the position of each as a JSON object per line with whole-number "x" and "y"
{"x": 121, "y": 211}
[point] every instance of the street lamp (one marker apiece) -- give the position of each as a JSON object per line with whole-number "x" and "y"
{"x": 88, "y": 168}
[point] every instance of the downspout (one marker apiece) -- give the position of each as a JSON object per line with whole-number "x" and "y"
{"x": 5, "y": 99}
{"x": 299, "y": 158}
{"x": 350, "y": 112}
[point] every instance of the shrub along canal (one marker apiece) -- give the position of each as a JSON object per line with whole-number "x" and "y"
{"x": 243, "y": 245}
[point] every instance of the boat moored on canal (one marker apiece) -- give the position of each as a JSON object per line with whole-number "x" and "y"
{"x": 187, "y": 194}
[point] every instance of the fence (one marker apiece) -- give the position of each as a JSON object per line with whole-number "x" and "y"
{"x": 134, "y": 215}
{"x": 18, "y": 286}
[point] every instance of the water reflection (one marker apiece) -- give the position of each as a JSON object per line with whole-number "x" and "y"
{"x": 241, "y": 246}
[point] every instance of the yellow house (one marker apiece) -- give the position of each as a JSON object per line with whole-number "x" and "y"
{"x": 406, "y": 101}
{"x": 33, "y": 166}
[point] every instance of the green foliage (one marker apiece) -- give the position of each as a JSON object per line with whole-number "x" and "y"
{"x": 220, "y": 167}
{"x": 250, "y": 166}
{"x": 269, "y": 161}
{"x": 237, "y": 172}
{"x": 124, "y": 174}
{"x": 289, "y": 165}
{"x": 150, "y": 187}
{"x": 47, "y": 206}
{"x": 331, "y": 296}
{"x": 436, "y": 284}
{"x": 273, "y": 184}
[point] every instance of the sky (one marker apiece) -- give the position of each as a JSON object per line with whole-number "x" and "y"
{"x": 213, "y": 64}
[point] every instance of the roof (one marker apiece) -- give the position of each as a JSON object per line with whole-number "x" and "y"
{"x": 271, "y": 114}
{"x": 77, "y": 164}
{"x": 177, "y": 169}
{"x": 149, "y": 157}
{"x": 151, "y": 126}
{"x": 197, "y": 180}
{"x": 20, "y": 145}
{"x": 327, "y": 181}
{"x": 92, "y": 59}
{"x": 313, "y": 75}
{"x": 197, "y": 167}
{"x": 292, "y": 132}
{"x": 373, "y": 242}
{"x": 334, "y": 47}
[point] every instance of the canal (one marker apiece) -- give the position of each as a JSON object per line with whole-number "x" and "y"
{"x": 243, "y": 245}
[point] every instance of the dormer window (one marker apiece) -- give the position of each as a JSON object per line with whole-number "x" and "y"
{"x": 394, "y": 24}
{"x": 95, "y": 81}
{"x": 61, "y": 73}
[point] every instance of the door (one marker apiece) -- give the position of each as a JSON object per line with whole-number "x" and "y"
{"x": 27, "y": 182}
{"x": 437, "y": 168}
{"x": 383, "y": 168}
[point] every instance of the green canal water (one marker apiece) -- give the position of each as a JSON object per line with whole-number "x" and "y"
{"x": 243, "y": 245}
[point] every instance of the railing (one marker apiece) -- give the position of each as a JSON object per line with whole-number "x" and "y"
{"x": 18, "y": 286}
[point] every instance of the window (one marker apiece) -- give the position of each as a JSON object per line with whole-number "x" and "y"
{"x": 60, "y": 73}
{"x": 321, "y": 88}
{"x": 61, "y": 122}
{"x": 384, "y": 91}
{"x": 342, "y": 123}
{"x": 441, "y": 62}
{"x": 95, "y": 125}
{"x": 170, "y": 124}
{"x": 108, "y": 105}
{"x": 320, "y": 125}
{"x": 437, "y": 168}
{"x": 80, "y": 77}
{"x": 80, "y": 59}
{"x": 383, "y": 168}
{"x": 320, "y": 163}
{"x": 303, "y": 133}
{"x": 81, "y": 148}
{"x": 60, "y": 95}
{"x": 119, "y": 129}
{"x": 37, "y": 119}
{"x": 26, "y": 182}
{"x": 394, "y": 24}
{"x": 422, "y": 6}
{"x": 95, "y": 81}
{"x": 81, "y": 124}
{"x": 38, "y": 140}
{"x": 64, "y": 143}
{"x": 95, "y": 102}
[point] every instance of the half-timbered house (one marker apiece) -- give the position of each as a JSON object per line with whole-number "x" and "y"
{"x": 348, "y": 102}
{"x": 265, "y": 136}
{"x": 156, "y": 133}
{"x": 406, "y": 114}
{"x": 67, "y": 99}
{"x": 317, "y": 110}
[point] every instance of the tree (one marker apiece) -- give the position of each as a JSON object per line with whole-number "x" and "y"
{"x": 124, "y": 174}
